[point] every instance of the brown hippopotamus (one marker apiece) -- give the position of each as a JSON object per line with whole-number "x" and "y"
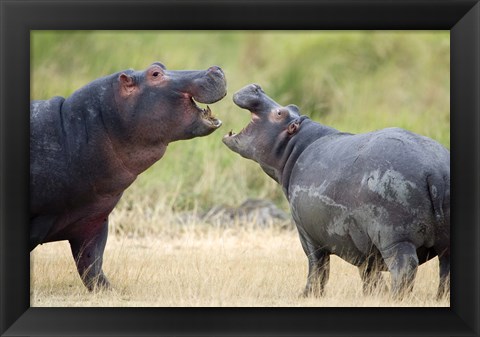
{"x": 379, "y": 200}
{"x": 85, "y": 150}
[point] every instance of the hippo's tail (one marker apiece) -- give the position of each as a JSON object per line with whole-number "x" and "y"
{"x": 436, "y": 189}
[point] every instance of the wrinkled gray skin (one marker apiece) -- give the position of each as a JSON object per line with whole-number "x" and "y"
{"x": 380, "y": 200}
{"x": 85, "y": 150}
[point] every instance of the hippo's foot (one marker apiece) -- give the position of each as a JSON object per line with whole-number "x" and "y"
{"x": 316, "y": 283}
{"x": 98, "y": 283}
{"x": 312, "y": 292}
{"x": 318, "y": 270}
{"x": 88, "y": 254}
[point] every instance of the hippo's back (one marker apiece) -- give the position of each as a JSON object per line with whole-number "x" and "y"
{"x": 349, "y": 158}
{"x": 48, "y": 161}
{"x": 386, "y": 148}
{"x": 401, "y": 149}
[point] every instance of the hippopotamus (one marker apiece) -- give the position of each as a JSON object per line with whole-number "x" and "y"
{"x": 86, "y": 149}
{"x": 378, "y": 200}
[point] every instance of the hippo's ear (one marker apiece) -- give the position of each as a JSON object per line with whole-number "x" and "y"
{"x": 293, "y": 108}
{"x": 293, "y": 127}
{"x": 127, "y": 84}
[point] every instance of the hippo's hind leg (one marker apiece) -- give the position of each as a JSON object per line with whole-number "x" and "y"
{"x": 371, "y": 275}
{"x": 402, "y": 262}
{"x": 442, "y": 248}
{"x": 88, "y": 254}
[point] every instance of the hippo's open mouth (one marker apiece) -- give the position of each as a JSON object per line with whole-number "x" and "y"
{"x": 231, "y": 135}
{"x": 245, "y": 130}
{"x": 206, "y": 114}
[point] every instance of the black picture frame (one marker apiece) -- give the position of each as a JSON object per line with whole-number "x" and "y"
{"x": 461, "y": 17}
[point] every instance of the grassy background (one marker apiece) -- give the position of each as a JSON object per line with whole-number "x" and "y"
{"x": 353, "y": 81}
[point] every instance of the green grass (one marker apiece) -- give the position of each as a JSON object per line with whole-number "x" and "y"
{"x": 353, "y": 81}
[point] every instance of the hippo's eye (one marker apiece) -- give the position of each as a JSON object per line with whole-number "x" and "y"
{"x": 280, "y": 113}
{"x": 156, "y": 73}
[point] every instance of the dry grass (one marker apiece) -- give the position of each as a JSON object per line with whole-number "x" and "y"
{"x": 200, "y": 266}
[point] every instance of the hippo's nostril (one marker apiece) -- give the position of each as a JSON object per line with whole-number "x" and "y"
{"x": 216, "y": 70}
{"x": 257, "y": 88}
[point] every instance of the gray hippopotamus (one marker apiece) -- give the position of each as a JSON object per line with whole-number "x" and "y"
{"x": 379, "y": 200}
{"x": 85, "y": 150}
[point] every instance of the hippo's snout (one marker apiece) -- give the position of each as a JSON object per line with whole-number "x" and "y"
{"x": 253, "y": 98}
{"x": 247, "y": 96}
{"x": 209, "y": 86}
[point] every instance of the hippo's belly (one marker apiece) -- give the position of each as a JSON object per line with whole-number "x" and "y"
{"x": 331, "y": 226}
{"x": 76, "y": 222}
{"x": 356, "y": 231}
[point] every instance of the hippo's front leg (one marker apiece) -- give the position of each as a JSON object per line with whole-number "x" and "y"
{"x": 88, "y": 254}
{"x": 318, "y": 273}
{"x": 318, "y": 268}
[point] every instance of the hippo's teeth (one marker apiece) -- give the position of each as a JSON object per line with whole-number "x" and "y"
{"x": 207, "y": 112}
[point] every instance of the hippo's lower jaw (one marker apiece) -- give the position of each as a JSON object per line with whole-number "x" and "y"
{"x": 244, "y": 141}
{"x": 231, "y": 135}
{"x": 240, "y": 143}
{"x": 231, "y": 140}
{"x": 207, "y": 117}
